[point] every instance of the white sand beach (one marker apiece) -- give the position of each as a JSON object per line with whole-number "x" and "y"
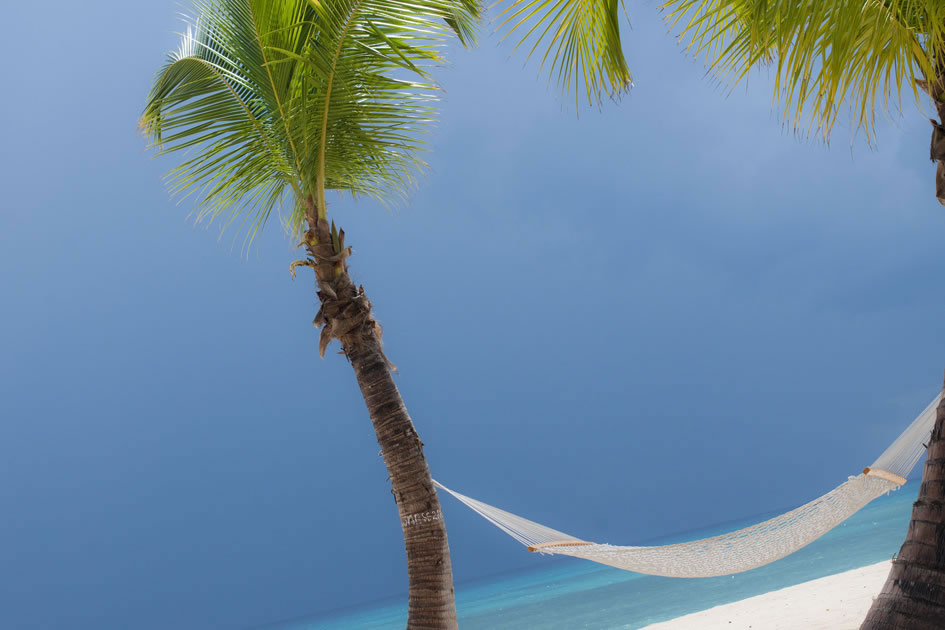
{"x": 835, "y": 602}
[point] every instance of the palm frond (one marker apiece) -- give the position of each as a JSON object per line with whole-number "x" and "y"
{"x": 368, "y": 101}
{"x": 464, "y": 17}
{"x": 580, "y": 40}
{"x": 827, "y": 56}
{"x": 278, "y": 97}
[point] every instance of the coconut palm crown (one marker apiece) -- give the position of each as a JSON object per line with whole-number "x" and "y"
{"x": 826, "y": 56}
{"x": 273, "y": 97}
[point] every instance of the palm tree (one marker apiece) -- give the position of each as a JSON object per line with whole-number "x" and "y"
{"x": 279, "y": 101}
{"x": 825, "y": 56}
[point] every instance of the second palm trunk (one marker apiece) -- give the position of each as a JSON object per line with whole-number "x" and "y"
{"x": 913, "y": 597}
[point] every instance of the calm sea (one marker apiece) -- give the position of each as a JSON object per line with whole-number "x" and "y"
{"x": 571, "y": 594}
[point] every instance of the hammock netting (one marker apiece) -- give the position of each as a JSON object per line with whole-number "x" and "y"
{"x": 740, "y": 550}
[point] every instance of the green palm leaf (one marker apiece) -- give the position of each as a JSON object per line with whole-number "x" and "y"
{"x": 272, "y": 98}
{"x": 580, "y": 40}
{"x": 826, "y": 55}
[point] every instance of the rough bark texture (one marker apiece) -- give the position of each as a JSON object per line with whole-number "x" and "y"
{"x": 431, "y": 601}
{"x": 936, "y": 91}
{"x": 913, "y": 597}
{"x": 345, "y": 315}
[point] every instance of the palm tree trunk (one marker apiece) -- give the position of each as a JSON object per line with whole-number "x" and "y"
{"x": 936, "y": 90}
{"x": 913, "y": 597}
{"x": 345, "y": 315}
{"x": 430, "y": 602}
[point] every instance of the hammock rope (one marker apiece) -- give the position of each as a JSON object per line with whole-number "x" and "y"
{"x": 743, "y": 549}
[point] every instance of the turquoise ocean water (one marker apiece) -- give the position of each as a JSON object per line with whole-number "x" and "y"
{"x": 571, "y": 594}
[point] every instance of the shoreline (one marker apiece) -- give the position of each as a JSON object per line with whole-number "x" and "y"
{"x": 835, "y": 602}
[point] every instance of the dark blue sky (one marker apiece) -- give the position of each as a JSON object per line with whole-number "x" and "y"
{"x": 666, "y": 314}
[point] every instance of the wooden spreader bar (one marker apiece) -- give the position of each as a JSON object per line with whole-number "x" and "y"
{"x": 885, "y": 474}
{"x": 559, "y": 543}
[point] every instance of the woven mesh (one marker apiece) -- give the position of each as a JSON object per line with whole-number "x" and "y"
{"x": 736, "y": 551}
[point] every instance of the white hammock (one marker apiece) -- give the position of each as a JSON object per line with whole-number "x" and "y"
{"x": 740, "y": 550}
